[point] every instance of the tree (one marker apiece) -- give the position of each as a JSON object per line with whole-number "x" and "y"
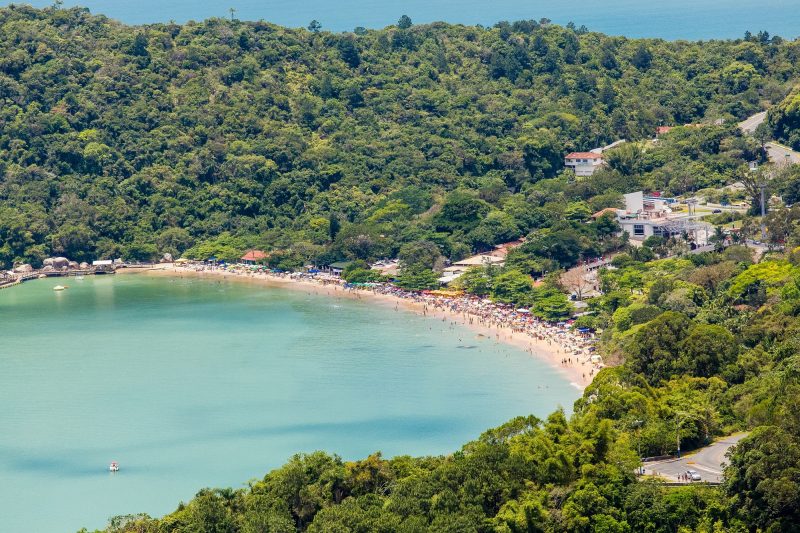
{"x": 642, "y": 58}
{"x": 404, "y": 23}
{"x": 417, "y": 278}
{"x": 653, "y": 351}
{"x": 706, "y": 350}
{"x": 542, "y": 154}
{"x": 349, "y": 52}
{"x": 424, "y": 254}
{"x": 512, "y": 287}
{"x": 314, "y": 26}
{"x": 575, "y": 281}
{"x": 461, "y": 211}
{"x": 763, "y": 480}
{"x": 550, "y": 304}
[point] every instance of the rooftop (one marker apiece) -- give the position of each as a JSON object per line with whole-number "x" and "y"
{"x": 584, "y": 155}
{"x": 254, "y": 255}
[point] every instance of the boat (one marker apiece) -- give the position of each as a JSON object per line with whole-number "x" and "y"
{"x": 79, "y": 277}
{"x": 59, "y": 288}
{"x": 113, "y": 467}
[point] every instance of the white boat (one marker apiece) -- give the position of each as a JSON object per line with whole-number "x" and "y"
{"x": 79, "y": 277}
{"x": 113, "y": 467}
{"x": 59, "y": 288}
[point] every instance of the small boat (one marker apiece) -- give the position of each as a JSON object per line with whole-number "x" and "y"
{"x": 113, "y": 467}
{"x": 59, "y": 288}
{"x": 79, "y": 277}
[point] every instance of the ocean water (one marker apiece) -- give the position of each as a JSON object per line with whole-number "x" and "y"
{"x": 675, "y": 19}
{"x": 197, "y": 383}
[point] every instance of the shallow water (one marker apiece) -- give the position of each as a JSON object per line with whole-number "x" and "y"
{"x": 676, "y": 19}
{"x": 195, "y": 383}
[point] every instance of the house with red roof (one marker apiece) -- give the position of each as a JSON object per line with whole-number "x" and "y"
{"x": 583, "y": 163}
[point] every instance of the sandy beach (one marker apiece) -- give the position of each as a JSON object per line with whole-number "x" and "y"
{"x": 551, "y": 347}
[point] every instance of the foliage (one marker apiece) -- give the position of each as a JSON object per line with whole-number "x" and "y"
{"x": 136, "y": 141}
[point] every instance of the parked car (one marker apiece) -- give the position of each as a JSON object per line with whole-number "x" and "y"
{"x": 717, "y": 211}
{"x": 693, "y": 475}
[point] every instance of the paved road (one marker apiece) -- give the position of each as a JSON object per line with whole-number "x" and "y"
{"x": 750, "y": 124}
{"x": 706, "y": 461}
{"x": 780, "y": 154}
{"x": 777, "y": 152}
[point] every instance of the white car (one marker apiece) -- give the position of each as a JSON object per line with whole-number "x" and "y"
{"x": 693, "y": 475}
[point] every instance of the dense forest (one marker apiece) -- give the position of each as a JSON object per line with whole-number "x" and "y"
{"x": 208, "y": 138}
{"x": 431, "y": 142}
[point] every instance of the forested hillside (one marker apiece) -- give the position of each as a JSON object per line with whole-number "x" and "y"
{"x": 208, "y": 138}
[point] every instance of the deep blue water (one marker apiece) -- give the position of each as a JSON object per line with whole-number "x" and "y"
{"x": 672, "y": 19}
{"x": 191, "y": 383}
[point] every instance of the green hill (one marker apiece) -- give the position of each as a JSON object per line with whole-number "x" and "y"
{"x": 122, "y": 141}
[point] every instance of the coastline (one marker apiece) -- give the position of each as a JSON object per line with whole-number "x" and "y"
{"x": 579, "y": 373}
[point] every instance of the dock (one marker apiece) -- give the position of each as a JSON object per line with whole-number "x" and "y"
{"x": 16, "y": 279}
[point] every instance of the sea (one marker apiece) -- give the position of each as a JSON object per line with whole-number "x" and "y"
{"x": 192, "y": 383}
{"x": 674, "y": 19}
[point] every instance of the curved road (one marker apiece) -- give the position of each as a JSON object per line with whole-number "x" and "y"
{"x": 778, "y": 153}
{"x": 708, "y": 461}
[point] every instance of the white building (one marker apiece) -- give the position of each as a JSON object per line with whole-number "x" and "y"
{"x": 457, "y": 269}
{"x": 583, "y": 163}
{"x": 646, "y": 217}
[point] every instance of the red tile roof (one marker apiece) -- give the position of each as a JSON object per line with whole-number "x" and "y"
{"x": 663, "y": 129}
{"x": 584, "y": 155}
{"x": 254, "y": 255}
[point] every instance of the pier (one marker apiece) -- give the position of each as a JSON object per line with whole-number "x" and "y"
{"x": 14, "y": 279}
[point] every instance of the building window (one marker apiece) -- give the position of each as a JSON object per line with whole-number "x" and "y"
{"x": 638, "y": 229}
{"x": 658, "y": 230}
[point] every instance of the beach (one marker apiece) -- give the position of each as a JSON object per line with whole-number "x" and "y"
{"x": 568, "y": 352}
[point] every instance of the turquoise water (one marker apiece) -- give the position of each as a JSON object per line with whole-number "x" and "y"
{"x": 192, "y": 383}
{"x": 676, "y": 19}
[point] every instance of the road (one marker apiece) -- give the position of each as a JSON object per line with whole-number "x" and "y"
{"x": 750, "y": 124}
{"x": 779, "y": 153}
{"x": 706, "y": 461}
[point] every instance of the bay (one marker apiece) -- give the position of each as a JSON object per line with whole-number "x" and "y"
{"x": 677, "y": 19}
{"x": 196, "y": 383}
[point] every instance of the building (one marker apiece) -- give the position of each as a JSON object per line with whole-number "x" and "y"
{"x": 337, "y": 268}
{"x": 583, "y": 163}
{"x": 457, "y": 269}
{"x": 387, "y": 267}
{"x": 253, "y": 256}
{"x": 650, "y": 216}
{"x": 661, "y": 130}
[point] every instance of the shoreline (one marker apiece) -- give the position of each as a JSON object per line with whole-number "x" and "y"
{"x": 547, "y": 349}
